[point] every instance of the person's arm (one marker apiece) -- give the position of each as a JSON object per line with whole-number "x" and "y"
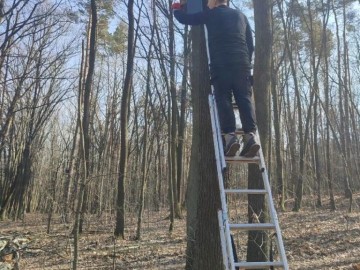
{"x": 191, "y": 19}
{"x": 249, "y": 40}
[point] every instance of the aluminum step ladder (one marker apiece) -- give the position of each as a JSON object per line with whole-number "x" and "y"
{"x": 224, "y": 223}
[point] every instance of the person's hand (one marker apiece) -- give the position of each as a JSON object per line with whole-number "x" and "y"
{"x": 176, "y": 6}
{"x": 211, "y": 4}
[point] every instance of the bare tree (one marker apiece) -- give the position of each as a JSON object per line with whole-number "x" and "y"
{"x": 125, "y": 100}
{"x": 145, "y": 137}
{"x": 34, "y": 74}
{"x": 84, "y": 111}
{"x": 182, "y": 119}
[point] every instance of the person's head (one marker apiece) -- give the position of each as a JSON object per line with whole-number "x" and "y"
{"x": 215, "y": 3}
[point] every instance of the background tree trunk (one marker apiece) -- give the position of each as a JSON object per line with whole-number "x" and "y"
{"x": 182, "y": 123}
{"x": 276, "y": 101}
{"x": 125, "y": 102}
{"x": 84, "y": 108}
{"x": 145, "y": 140}
{"x": 174, "y": 118}
{"x": 329, "y": 175}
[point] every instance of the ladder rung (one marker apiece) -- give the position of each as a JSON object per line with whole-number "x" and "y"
{"x": 246, "y": 191}
{"x": 255, "y": 265}
{"x": 236, "y": 159}
{"x": 239, "y": 131}
{"x": 252, "y": 226}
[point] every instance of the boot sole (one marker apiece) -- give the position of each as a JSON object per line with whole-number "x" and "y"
{"x": 252, "y": 151}
{"x": 232, "y": 150}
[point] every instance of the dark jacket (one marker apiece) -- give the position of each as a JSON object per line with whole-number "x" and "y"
{"x": 229, "y": 35}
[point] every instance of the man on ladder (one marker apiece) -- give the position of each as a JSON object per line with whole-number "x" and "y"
{"x": 231, "y": 47}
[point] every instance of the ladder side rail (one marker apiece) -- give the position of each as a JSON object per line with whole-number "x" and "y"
{"x": 221, "y": 146}
{"x": 273, "y": 214}
{"x": 216, "y": 115}
{"x": 215, "y": 131}
{"x": 223, "y": 241}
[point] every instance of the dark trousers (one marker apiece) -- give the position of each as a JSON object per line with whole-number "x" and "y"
{"x": 231, "y": 81}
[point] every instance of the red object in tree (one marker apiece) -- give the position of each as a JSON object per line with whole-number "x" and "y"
{"x": 176, "y": 6}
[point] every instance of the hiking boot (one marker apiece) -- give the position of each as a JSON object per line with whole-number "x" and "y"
{"x": 232, "y": 144}
{"x": 251, "y": 147}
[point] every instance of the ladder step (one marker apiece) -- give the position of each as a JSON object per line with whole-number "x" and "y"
{"x": 256, "y": 265}
{"x": 246, "y": 191}
{"x": 238, "y": 159}
{"x": 239, "y": 131}
{"x": 252, "y": 226}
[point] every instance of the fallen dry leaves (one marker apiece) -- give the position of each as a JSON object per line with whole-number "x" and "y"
{"x": 315, "y": 239}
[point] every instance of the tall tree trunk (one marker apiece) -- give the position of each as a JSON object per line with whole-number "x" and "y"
{"x": 125, "y": 101}
{"x": 316, "y": 155}
{"x": 280, "y": 187}
{"x": 1, "y": 10}
{"x": 145, "y": 141}
{"x": 171, "y": 168}
{"x": 342, "y": 94}
{"x": 291, "y": 138}
{"x": 182, "y": 125}
{"x": 174, "y": 117}
{"x": 84, "y": 128}
{"x": 53, "y": 178}
{"x": 203, "y": 196}
{"x": 327, "y": 127}
{"x": 258, "y": 242}
{"x": 71, "y": 167}
{"x": 346, "y": 120}
{"x": 299, "y": 183}
{"x": 315, "y": 88}
{"x": 143, "y": 165}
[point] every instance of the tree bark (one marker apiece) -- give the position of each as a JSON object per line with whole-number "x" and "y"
{"x": 203, "y": 200}
{"x": 125, "y": 101}
{"x": 342, "y": 97}
{"x": 145, "y": 141}
{"x": 280, "y": 187}
{"x": 84, "y": 128}
{"x": 329, "y": 175}
{"x": 299, "y": 180}
{"x": 182, "y": 124}
{"x": 258, "y": 242}
{"x": 174, "y": 117}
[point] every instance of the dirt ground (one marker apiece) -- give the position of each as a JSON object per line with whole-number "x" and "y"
{"x": 314, "y": 239}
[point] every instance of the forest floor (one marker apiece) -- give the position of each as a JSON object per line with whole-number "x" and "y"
{"x": 314, "y": 239}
